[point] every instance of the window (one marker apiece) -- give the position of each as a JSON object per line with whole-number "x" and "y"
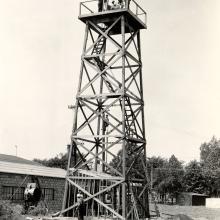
{"x": 48, "y": 193}
{"x": 12, "y": 193}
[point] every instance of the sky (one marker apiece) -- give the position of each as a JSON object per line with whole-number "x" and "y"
{"x": 41, "y": 44}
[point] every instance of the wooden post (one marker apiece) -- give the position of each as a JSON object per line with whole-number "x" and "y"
{"x": 69, "y": 151}
{"x": 124, "y": 191}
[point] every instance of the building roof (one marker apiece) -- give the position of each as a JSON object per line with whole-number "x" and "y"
{"x": 193, "y": 194}
{"x": 15, "y": 159}
{"x": 16, "y": 165}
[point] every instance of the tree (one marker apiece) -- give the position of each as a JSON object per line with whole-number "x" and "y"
{"x": 175, "y": 164}
{"x": 59, "y": 161}
{"x": 172, "y": 181}
{"x": 155, "y": 167}
{"x": 194, "y": 179}
{"x": 212, "y": 178}
{"x": 167, "y": 176}
{"x": 156, "y": 162}
{"x": 210, "y": 154}
{"x": 210, "y": 162}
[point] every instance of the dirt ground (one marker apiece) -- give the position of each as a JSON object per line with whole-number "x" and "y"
{"x": 167, "y": 211}
{"x": 195, "y": 212}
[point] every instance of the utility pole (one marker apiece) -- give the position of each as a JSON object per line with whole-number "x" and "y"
{"x": 16, "y": 150}
{"x": 151, "y": 177}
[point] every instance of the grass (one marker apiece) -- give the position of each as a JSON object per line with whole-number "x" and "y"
{"x": 196, "y": 212}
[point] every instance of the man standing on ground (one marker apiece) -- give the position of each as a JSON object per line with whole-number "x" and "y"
{"x": 100, "y": 5}
{"x": 81, "y": 206}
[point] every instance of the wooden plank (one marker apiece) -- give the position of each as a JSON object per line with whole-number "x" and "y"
{"x": 87, "y": 7}
{"x": 96, "y": 178}
{"x": 100, "y": 96}
{"x": 92, "y": 119}
{"x": 98, "y": 136}
{"x": 103, "y": 34}
{"x": 91, "y": 159}
{"x": 101, "y": 160}
{"x": 110, "y": 16}
{"x": 97, "y": 75}
{"x": 103, "y": 118}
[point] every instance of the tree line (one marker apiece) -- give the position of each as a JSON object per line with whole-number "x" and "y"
{"x": 168, "y": 177}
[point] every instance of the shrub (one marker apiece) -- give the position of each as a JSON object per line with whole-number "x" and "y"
{"x": 10, "y": 211}
{"x": 40, "y": 209}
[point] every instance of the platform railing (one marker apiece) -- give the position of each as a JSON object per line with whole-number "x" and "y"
{"x": 138, "y": 11}
{"x": 92, "y": 6}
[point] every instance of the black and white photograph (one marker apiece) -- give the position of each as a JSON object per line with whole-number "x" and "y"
{"x": 110, "y": 110}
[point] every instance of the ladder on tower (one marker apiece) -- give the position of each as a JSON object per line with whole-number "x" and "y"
{"x": 102, "y": 66}
{"x": 97, "y": 49}
{"x": 99, "y": 46}
{"x": 129, "y": 115}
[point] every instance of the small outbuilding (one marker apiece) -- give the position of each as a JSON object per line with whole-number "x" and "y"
{"x": 16, "y": 174}
{"x": 191, "y": 199}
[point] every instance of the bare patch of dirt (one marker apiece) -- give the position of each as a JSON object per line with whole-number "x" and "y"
{"x": 194, "y": 212}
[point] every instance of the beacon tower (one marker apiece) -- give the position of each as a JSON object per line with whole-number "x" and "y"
{"x": 107, "y": 154}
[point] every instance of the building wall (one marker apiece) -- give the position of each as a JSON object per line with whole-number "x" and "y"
{"x": 184, "y": 199}
{"x": 52, "y": 187}
{"x": 198, "y": 200}
{"x": 213, "y": 203}
{"x": 189, "y": 199}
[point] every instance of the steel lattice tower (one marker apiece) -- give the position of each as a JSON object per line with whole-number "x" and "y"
{"x": 108, "y": 136}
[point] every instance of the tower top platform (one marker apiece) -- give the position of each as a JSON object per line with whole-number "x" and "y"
{"x": 107, "y": 13}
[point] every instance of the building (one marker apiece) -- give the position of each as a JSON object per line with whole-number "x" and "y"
{"x": 16, "y": 173}
{"x": 213, "y": 203}
{"x": 191, "y": 199}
